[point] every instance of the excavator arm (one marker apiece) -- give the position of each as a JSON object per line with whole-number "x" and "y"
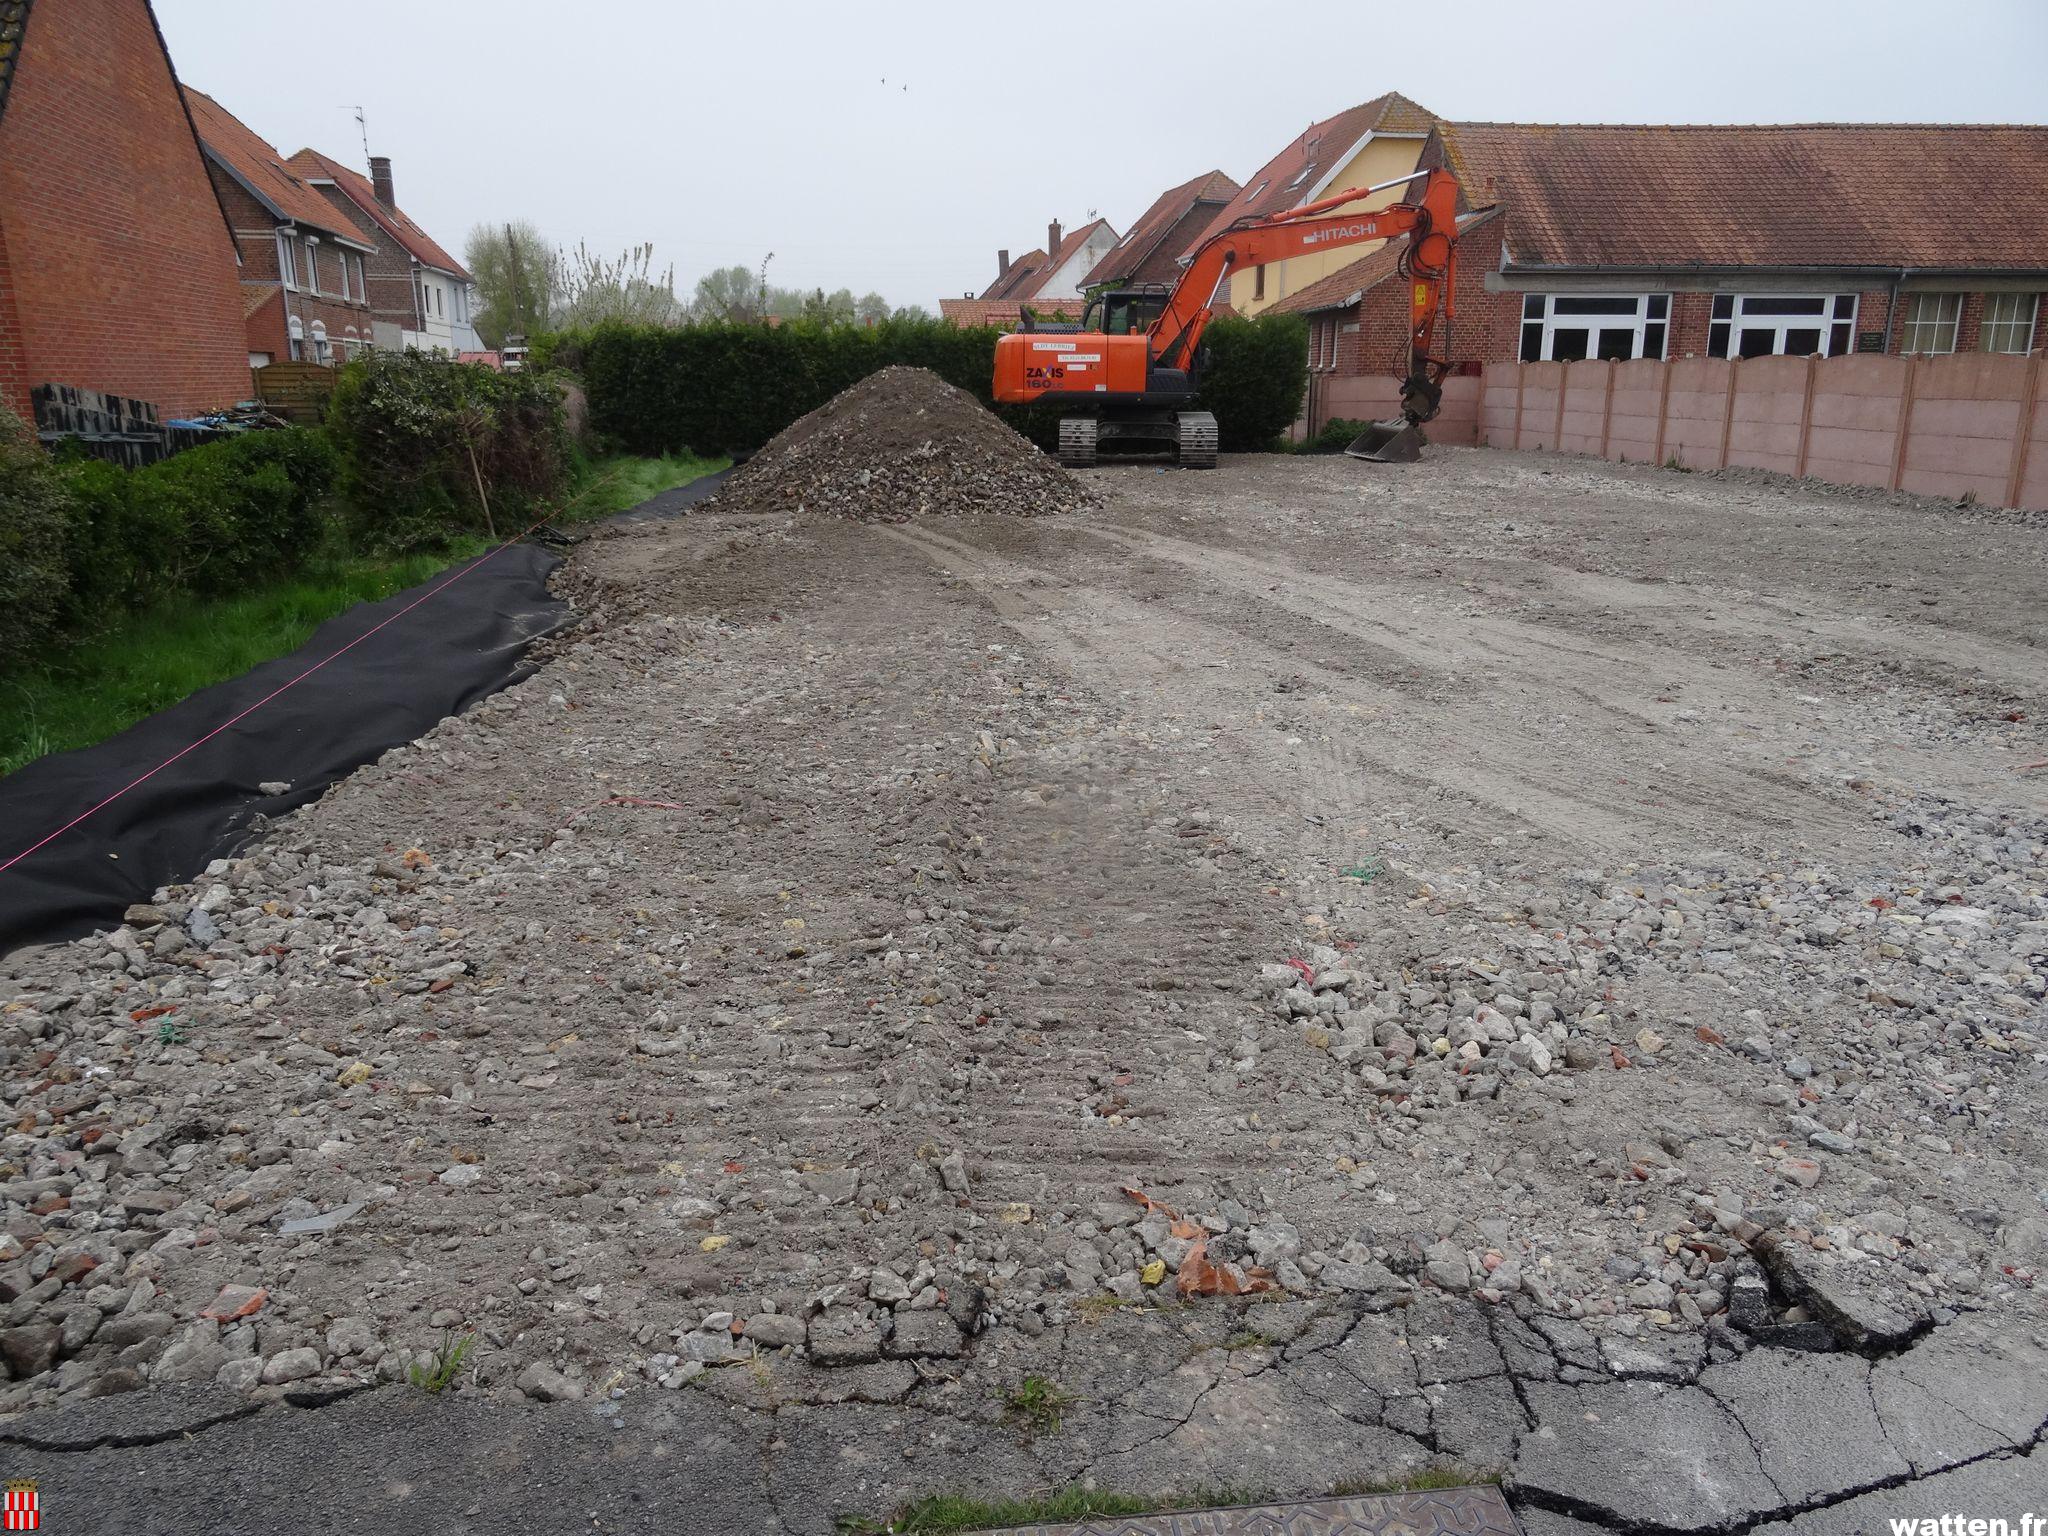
{"x": 1429, "y": 218}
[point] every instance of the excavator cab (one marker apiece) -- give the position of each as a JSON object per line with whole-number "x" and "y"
{"x": 1126, "y": 311}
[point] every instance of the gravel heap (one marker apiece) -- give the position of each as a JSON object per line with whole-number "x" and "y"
{"x": 900, "y": 442}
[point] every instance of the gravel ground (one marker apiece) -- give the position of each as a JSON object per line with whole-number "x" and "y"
{"x": 1612, "y": 893}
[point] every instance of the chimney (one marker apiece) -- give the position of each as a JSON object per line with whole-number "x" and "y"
{"x": 1052, "y": 237}
{"x": 380, "y": 178}
{"x": 1002, "y": 264}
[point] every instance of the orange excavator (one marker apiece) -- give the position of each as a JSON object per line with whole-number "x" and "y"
{"x": 1131, "y": 370}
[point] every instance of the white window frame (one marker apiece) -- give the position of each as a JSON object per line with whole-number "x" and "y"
{"x": 2018, "y": 327}
{"x": 323, "y": 351}
{"x": 287, "y": 261}
{"x": 1836, "y": 322}
{"x": 312, "y": 265}
{"x": 1639, "y": 325}
{"x": 295, "y": 331}
{"x": 1922, "y": 336}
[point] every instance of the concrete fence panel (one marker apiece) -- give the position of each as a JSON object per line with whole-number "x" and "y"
{"x": 1635, "y": 409}
{"x": 1768, "y": 406}
{"x": 1965, "y": 425}
{"x": 1696, "y": 413}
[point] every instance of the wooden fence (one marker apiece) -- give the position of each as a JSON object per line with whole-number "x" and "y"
{"x": 296, "y": 391}
{"x": 1969, "y": 424}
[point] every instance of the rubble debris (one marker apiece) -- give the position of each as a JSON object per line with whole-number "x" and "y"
{"x": 901, "y": 443}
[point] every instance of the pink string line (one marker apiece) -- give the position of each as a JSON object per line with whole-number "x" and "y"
{"x": 433, "y": 591}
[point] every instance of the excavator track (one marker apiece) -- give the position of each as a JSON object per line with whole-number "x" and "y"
{"x": 1077, "y": 442}
{"x": 1197, "y": 431}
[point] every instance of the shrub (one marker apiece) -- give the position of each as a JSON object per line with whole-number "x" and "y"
{"x": 1254, "y": 378}
{"x": 415, "y": 433}
{"x": 1338, "y": 434}
{"x": 237, "y": 509}
{"x": 34, "y": 573}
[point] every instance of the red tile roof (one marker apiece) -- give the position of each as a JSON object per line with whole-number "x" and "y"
{"x": 1022, "y": 274}
{"x": 1069, "y": 244}
{"x": 1149, "y": 252}
{"x": 261, "y": 170}
{"x": 1286, "y": 180}
{"x": 416, "y": 242}
{"x": 1802, "y": 195}
{"x": 1002, "y": 313}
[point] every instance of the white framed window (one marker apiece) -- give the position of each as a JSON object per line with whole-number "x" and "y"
{"x": 312, "y": 265}
{"x": 287, "y": 261}
{"x": 1931, "y": 322}
{"x": 1782, "y": 325}
{"x": 295, "y": 329}
{"x": 322, "y": 352}
{"x": 2008, "y": 322}
{"x": 1570, "y": 327}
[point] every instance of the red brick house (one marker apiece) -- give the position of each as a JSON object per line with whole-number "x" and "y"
{"x": 304, "y": 263}
{"x": 420, "y": 295}
{"x": 1671, "y": 242}
{"x": 117, "y": 269}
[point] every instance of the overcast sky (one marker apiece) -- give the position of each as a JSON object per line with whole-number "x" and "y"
{"x": 897, "y": 146}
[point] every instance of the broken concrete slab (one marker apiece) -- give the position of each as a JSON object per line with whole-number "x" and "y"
{"x": 2004, "y": 1485}
{"x": 1641, "y": 1453}
{"x": 1811, "y": 1420}
{"x": 1865, "y": 1309}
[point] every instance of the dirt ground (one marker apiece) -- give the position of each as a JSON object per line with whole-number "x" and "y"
{"x": 1617, "y": 894}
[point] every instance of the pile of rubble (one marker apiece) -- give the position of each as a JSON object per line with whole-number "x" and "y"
{"x": 901, "y": 442}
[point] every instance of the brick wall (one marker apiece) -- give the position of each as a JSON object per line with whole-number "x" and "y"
{"x": 388, "y": 273}
{"x": 118, "y": 269}
{"x": 14, "y": 381}
{"x": 1373, "y": 335}
{"x": 255, "y": 230}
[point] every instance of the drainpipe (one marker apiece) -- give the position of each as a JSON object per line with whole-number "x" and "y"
{"x": 1891, "y": 307}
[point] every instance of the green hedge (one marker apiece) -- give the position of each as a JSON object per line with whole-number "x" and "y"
{"x": 725, "y": 388}
{"x": 81, "y": 539}
{"x": 413, "y": 434}
{"x": 1255, "y": 378}
{"x": 34, "y": 518}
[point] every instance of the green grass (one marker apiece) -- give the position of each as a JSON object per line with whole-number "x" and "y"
{"x": 1038, "y": 1404}
{"x": 948, "y": 1512}
{"x": 1441, "y": 1475}
{"x": 149, "y": 660}
{"x": 621, "y": 482}
{"x": 447, "y": 1363}
{"x": 943, "y": 1513}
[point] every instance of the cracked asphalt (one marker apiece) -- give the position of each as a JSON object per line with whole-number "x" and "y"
{"x": 1296, "y": 1398}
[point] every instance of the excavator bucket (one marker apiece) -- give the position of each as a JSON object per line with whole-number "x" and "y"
{"x": 1396, "y": 440}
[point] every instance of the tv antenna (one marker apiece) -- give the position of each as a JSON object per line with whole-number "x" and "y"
{"x": 362, "y": 126}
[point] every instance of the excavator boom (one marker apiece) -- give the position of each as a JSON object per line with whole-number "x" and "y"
{"x": 1139, "y": 387}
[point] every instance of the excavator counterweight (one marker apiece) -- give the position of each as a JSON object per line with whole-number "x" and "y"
{"x": 1131, "y": 372}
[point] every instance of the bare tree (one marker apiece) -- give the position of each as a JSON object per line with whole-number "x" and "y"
{"x": 629, "y": 289}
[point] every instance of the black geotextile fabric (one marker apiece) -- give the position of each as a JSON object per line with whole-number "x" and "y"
{"x": 674, "y": 501}
{"x": 466, "y": 641}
